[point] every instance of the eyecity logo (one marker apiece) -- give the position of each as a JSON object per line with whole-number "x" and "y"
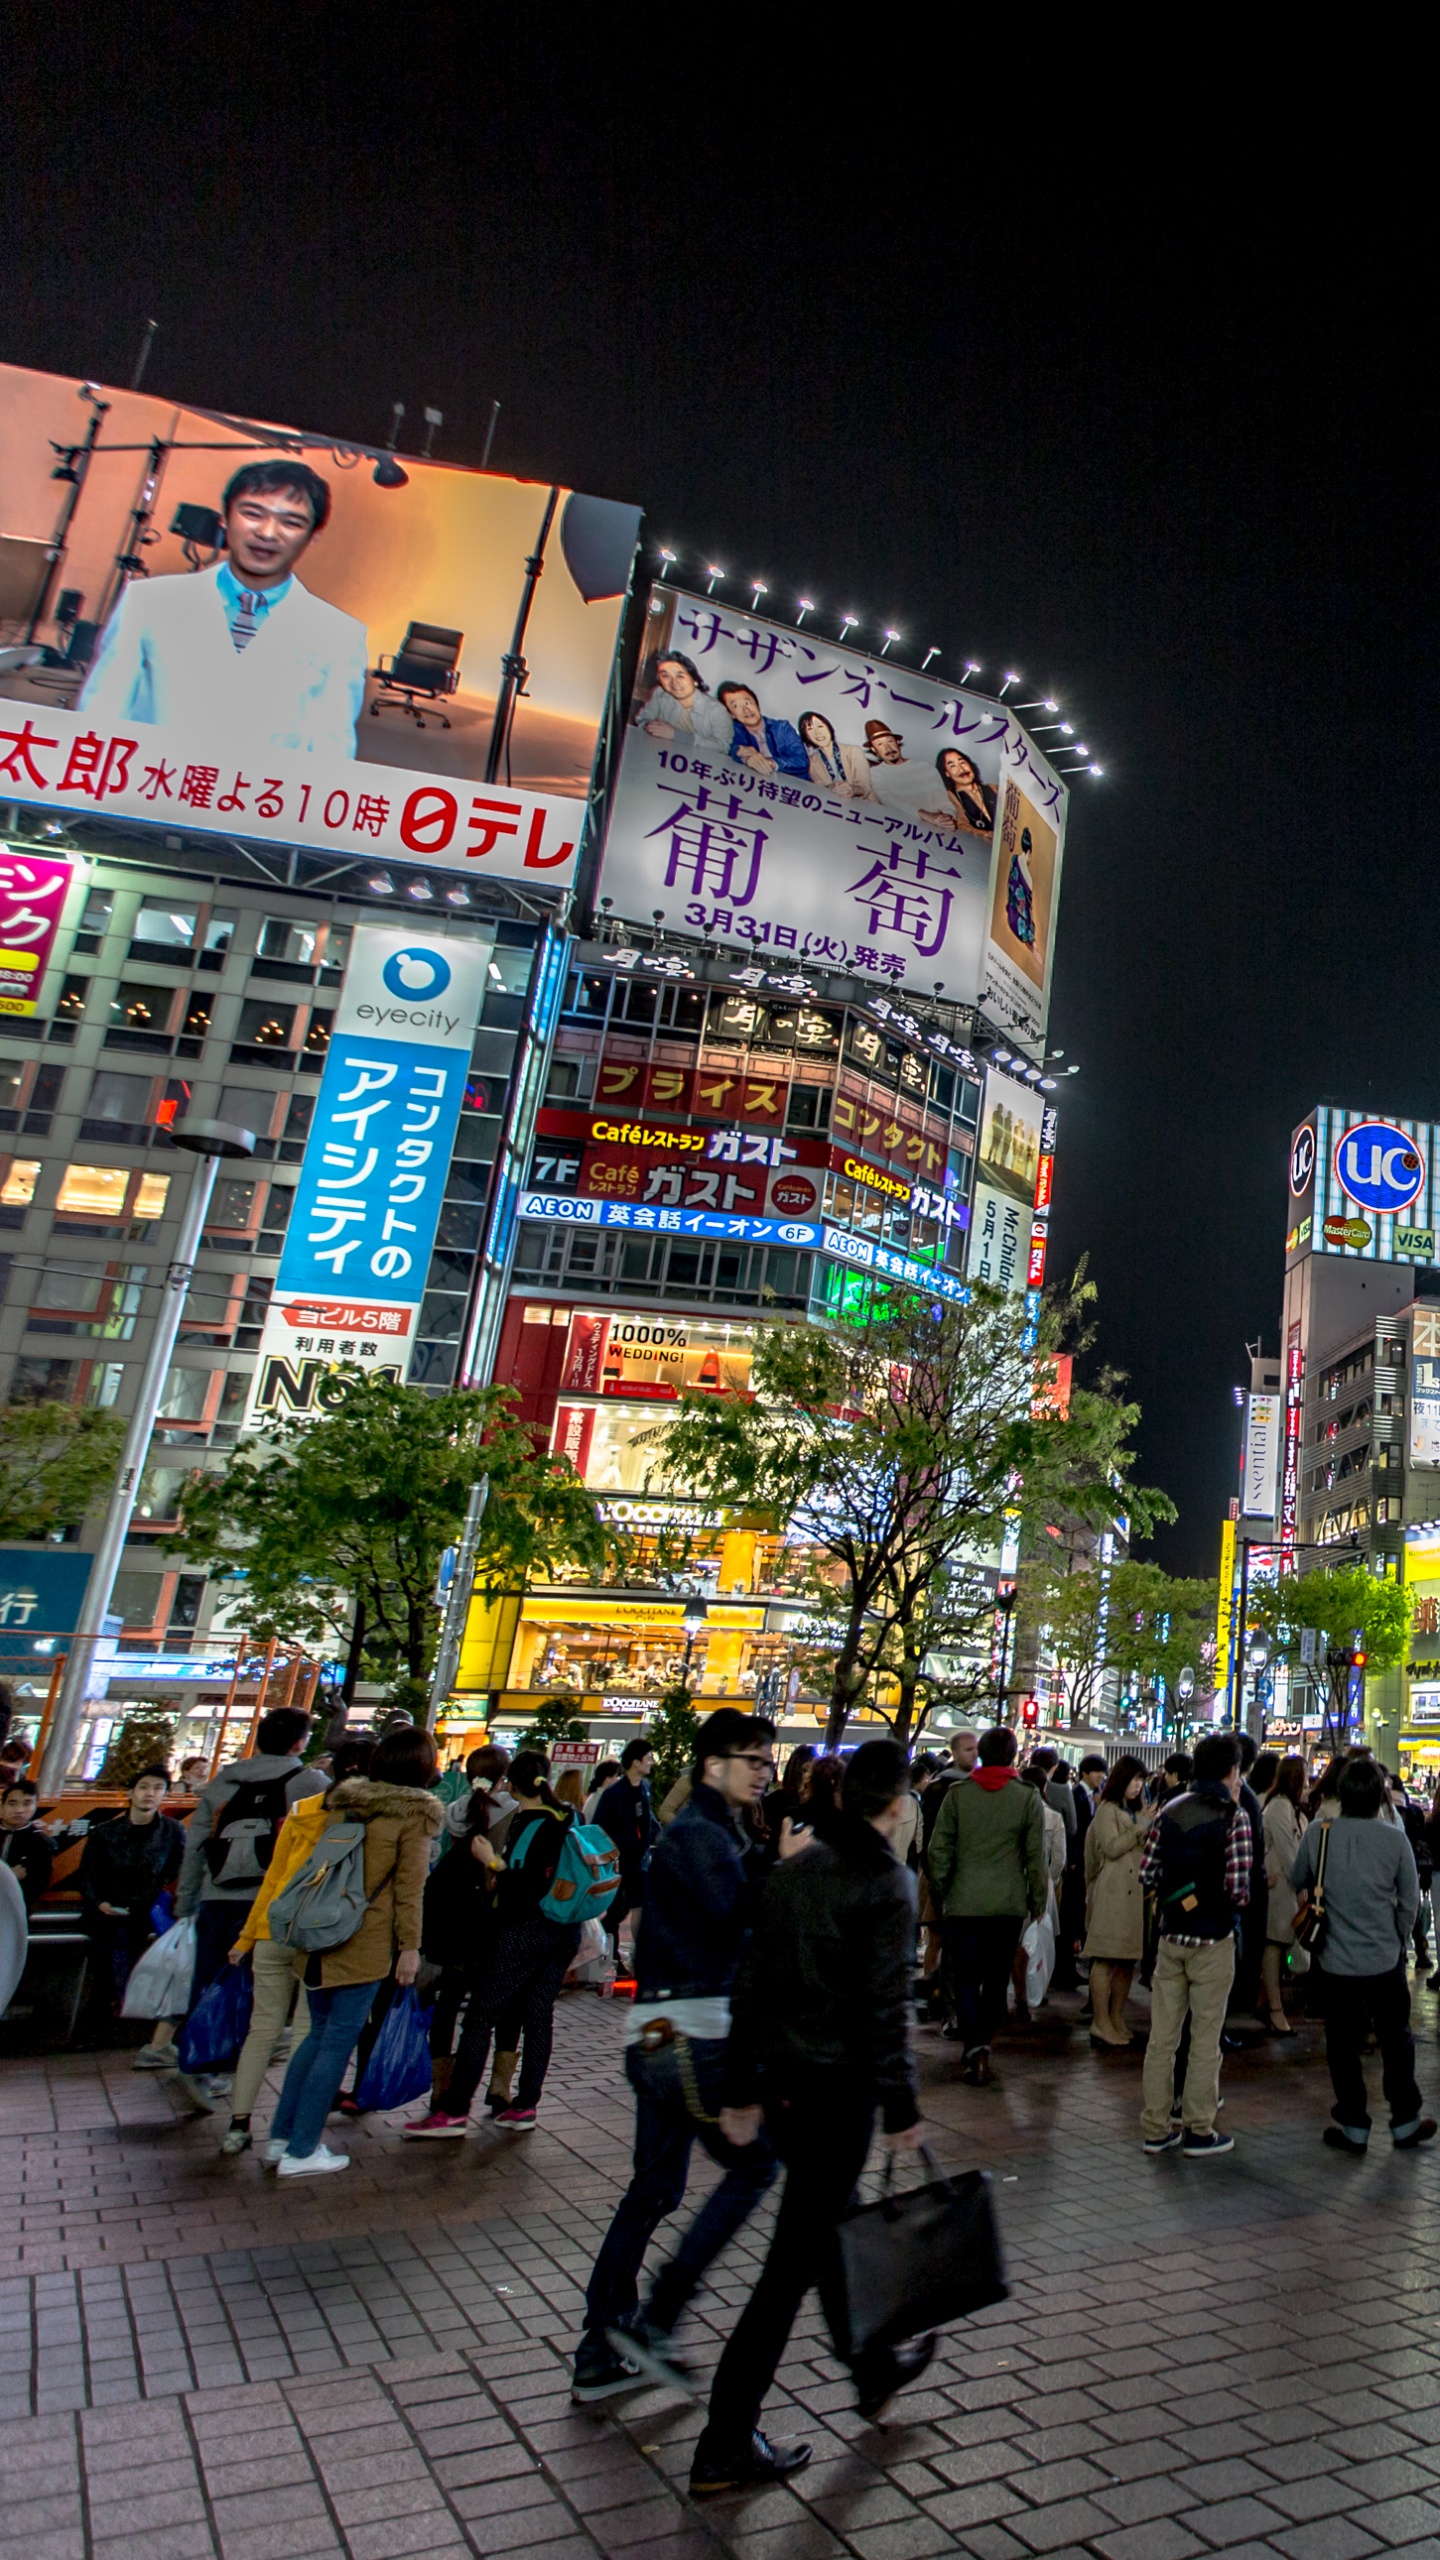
{"x": 1376, "y": 1164}
{"x": 417, "y": 974}
{"x": 1302, "y": 1159}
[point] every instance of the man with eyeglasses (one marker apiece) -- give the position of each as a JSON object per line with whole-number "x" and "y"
{"x": 699, "y": 1889}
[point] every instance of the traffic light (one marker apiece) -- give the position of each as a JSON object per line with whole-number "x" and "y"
{"x": 1357, "y": 1660}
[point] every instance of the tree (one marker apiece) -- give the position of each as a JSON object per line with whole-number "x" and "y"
{"x": 1129, "y": 1619}
{"x": 896, "y": 1452}
{"x": 144, "y": 1741}
{"x": 556, "y": 1721}
{"x": 673, "y": 1734}
{"x": 354, "y": 1509}
{"x": 1351, "y": 1611}
{"x": 55, "y": 1460}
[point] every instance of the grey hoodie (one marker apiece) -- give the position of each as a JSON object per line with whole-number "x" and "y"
{"x": 196, "y": 1882}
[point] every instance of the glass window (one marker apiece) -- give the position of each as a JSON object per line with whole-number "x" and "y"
{"x": 104, "y": 1388}
{"x": 70, "y": 1003}
{"x": 137, "y": 1597}
{"x": 317, "y": 1030}
{"x": 73, "y": 1285}
{"x": 98, "y": 906}
{"x": 278, "y": 1206}
{"x": 509, "y": 969}
{"x": 151, "y": 1193}
{"x": 116, "y": 1097}
{"x": 299, "y": 1115}
{"x": 197, "y": 1012}
{"x": 284, "y": 938}
{"x": 18, "y": 1188}
{"x": 245, "y": 1109}
{"x": 141, "y": 1008}
{"x": 43, "y": 1381}
{"x": 185, "y": 1395}
{"x": 220, "y": 930}
{"x": 94, "y": 1190}
{"x": 231, "y": 1204}
{"x": 265, "y": 1025}
{"x": 174, "y": 926}
{"x": 337, "y": 945}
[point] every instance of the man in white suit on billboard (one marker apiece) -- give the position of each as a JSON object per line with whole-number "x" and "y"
{"x": 243, "y": 651}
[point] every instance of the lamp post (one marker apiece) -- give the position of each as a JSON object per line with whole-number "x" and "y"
{"x": 457, "y": 1602}
{"x": 695, "y": 1614}
{"x": 209, "y": 1141}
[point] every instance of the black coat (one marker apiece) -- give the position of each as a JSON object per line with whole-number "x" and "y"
{"x": 31, "y": 1855}
{"x": 129, "y": 1863}
{"x": 825, "y": 1980}
{"x": 627, "y": 1815}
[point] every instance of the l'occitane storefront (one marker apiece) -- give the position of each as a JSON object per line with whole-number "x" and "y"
{"x": 604, "y": 1647}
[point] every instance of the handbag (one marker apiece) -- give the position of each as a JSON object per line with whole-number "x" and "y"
{"x": 1308, "y": 1928}
{"x": 219, "y": 2023}
{"x": 399, "y": 2067}
{"x": 915, "y": 2261}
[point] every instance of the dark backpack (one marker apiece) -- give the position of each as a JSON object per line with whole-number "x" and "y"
{"x": 242, "y": 1840}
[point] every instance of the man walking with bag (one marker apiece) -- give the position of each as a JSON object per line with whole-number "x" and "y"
{"x": 819, "y": 2040}
{"x": 1369, "y": 1898}
{"x": 1197, "y": 1864}
{"x": 699, "y": 1892}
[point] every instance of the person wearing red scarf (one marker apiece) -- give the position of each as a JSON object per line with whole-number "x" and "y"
{"x": 988, "y": 1876}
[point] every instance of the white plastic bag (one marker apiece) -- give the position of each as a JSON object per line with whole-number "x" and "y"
{"x": 159, "y": 1987}
{"x": 1039, "y": 1945}
{"x": 593, "y": 1965}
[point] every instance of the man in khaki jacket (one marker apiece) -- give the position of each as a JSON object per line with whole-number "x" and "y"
{"x": 988, "y": 1876}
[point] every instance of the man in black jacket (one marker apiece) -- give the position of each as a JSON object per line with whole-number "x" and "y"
{"x": 626, "y": 1813}
{"x": 819, "y": 2040}
{"x": 699, "y": 1890}
{"x": 23, "y": 1845}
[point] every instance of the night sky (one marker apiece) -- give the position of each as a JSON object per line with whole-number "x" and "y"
{"x": 844, "y": 317}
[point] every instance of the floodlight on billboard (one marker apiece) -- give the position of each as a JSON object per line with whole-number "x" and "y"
{"x": 799, "y": 801}
{"x": 367, "y": 661}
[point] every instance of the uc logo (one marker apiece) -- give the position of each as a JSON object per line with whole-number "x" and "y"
{"x": 416, "y": 974}
{"x": 1302, "y": 1159}
{"x": 1376, "y": 1164}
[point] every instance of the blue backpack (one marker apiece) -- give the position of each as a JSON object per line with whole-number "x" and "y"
{"x": 587, "y": 1873}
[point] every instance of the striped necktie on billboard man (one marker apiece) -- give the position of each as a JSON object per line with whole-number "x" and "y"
{"x": 245, "y": 625}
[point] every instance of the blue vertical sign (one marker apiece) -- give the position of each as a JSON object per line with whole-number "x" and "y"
{"x": 361, "y": 1233}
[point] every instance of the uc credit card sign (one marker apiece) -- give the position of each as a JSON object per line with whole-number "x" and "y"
{"x": 361, "y": 1232}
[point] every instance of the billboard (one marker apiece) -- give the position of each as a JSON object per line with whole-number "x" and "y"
{"x": 1007, "y": 1179}
{"x": 1363, "y": 1188}
{"x": 360, "y": 1234}
{"x": 315, "y": 662}
{"x": 785, "y": 795}
{"x": 1425, "y": 1388}
{"x": 1261, "y": 1473}
{"x": 32, "y": 895}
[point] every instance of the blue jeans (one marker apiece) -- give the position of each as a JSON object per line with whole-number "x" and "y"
{"x": 318, "y": 2067}
{"x": 665, "y": 2129}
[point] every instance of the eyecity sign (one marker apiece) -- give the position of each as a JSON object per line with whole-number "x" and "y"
{"x": 1378, "y": 1165}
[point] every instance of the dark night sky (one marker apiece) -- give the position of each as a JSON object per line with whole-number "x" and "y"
{"x": 1161, "y": 443}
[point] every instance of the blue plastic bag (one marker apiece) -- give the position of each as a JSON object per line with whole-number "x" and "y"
{"x": 162, "y": 1913}
{"x": 399, "y": 2064}
{"x": 219, "y": 2022}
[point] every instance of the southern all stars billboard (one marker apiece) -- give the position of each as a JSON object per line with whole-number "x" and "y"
{"x": 246, "y": 629}
{"x": 1362, "y": 1187}
{"x": 785, "y": 795}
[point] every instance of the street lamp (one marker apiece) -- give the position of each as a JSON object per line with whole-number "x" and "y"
{"x": 695, "y": 1614}
{"x": 209, "y": 1141}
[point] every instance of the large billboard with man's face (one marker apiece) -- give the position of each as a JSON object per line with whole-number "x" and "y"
{"x": 214, "y": 624}
{"x": 793, "y": 798}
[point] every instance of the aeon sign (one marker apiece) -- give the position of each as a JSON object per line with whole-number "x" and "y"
{"x": 1376, "y": 1164}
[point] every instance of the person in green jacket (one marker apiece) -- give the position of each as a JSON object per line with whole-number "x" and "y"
{"x": 987, "y": 1876}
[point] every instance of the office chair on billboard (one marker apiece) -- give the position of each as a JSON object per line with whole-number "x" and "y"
{"x": 427, "y": 664}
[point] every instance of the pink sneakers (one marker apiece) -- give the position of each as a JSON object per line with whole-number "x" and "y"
{"x": 435, "y": 2128}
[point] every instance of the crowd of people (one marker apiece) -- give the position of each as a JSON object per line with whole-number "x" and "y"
{"x": 782, "y": 1934}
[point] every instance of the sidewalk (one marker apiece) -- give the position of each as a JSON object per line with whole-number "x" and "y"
{"x": 1235, "y": 2356}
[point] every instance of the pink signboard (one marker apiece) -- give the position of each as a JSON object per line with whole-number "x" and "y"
{"x": 32, "y": 895}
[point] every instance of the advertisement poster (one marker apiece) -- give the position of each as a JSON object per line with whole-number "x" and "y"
{"x": 1262, "y": 1456}
{"x": 191, "y": 651}
{"x": 358, "y": 1244}
{"x": 1007, "y": 1169}
{"x": 1363, "y": 1188}
{"x": 1425, "y": 1388}
{"x": 786, "y": 795}
{"x": 32, "y": 895}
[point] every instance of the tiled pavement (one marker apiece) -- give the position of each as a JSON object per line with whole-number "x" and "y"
{"x": 1237, "y": 2357}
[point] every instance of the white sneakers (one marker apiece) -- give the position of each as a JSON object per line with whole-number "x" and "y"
{"x": 155, "y": 2057}
{"x": 273, "y": 2154}
{"x": 318, "y": 2165}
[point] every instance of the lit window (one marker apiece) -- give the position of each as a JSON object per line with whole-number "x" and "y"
{"x": 151, "y": 1195}
{"x": 96, "y": 1190}
{"x": 18, "y": 1188}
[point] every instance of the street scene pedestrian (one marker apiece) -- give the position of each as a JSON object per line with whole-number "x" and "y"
{"x": 987, "y": 1870}
{"x": 1196, "y": 1863}
{"x": 1369, "y": 1894}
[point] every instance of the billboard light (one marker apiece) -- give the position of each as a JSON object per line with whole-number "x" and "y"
{"x": 848, "y": 622}
{"x": 970, "y": 668}
{"x": 889, "y": 636}
{"x": 380, "y": 882}
{"x": 807, "y": 605}
{"x": 929, "y": 654}
{"x": 667, "y": 559}
{"x": 1011, "y": 677}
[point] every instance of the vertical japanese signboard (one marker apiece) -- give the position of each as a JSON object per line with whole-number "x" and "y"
{"x": 32, "y": 893}
{"x": 789, "y": 796}
{"x": 1262, "y": 1456}
{"x": 1294, "y": 1422}
{"x": 357, "y": 1249}
{"x": 1008, "y": 1175}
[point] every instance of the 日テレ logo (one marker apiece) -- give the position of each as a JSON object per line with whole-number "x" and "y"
{"x": 1376, "y": 1164}
{"x": 416, "y": 974}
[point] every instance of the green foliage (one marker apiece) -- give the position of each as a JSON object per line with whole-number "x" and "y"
{"x": 142, "y": 1742}
{"x": 673, "y": 1735}
{"x": 1340, "y": 1603}
{"x": 556, "y": 1721}
{"x": 1131, "y": 1619}
{"x": 55, "y": 1461}
{"x": 361, "y": 1502}
{"x": 899, "y": 1452}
